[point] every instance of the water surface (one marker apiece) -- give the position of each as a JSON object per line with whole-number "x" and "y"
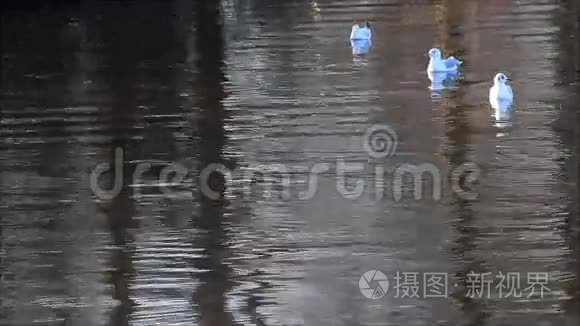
{"x": 279, "y": 87}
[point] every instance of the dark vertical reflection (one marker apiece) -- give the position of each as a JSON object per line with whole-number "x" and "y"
{"x": 448, "y": 34}
{"x": 3, "y": 287}
{"x": 123, "y": 53}
{"x": 2, "y": 183}
{"x": 59, "y": 44}
{"x": 215, "y": 280}
{"x": 565, "y": 126}
{"x": 457, "y": 136}
{"x": 577, "y": 155}
{"x": 568, "y": 127}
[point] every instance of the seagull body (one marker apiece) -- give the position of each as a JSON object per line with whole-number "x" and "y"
{"x": 502, "y": 113}
{"x": 360, "y": 46}
{"x": 502, "y": 109}
{"x": 361, "y": 33}
{"x": 438, "y": 64}
{"x": 440, "y": 80}
{"x": 501, "y": 90}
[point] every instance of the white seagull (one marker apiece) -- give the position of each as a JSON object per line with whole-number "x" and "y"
{"x": 438, "y": 64}
{"x": 361, "y": 33}
{"x": 501, "y": 90}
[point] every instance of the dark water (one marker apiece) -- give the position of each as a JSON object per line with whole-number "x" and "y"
{"x": 157, "y": 81}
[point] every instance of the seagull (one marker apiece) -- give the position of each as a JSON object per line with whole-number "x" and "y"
{"x": 501, "y": 90}
{"x": 361, "y": 32}
{"x": 438, "y": 64}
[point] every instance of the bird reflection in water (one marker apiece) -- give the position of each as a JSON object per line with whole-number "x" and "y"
{"x": 503, "y": 114}
{"x": 442, "y": 80}
{"x": 360, "y": 47}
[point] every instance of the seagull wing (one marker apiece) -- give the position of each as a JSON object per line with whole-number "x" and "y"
{"x": 452, "y": 62}
{"x": 367, "y": 33}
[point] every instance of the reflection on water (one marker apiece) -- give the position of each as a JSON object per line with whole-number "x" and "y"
{"x": 253, "y": 86}
{"x": 360, "y": 47}
{"x": 441, "y": 81}
{"x": 503, "y": 112}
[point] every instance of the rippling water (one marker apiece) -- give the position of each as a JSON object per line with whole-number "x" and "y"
{"x": 282, "y": 90}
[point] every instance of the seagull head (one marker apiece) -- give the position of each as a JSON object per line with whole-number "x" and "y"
{"x": 500, "y": 78}
{"x": 434, "y": 53}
